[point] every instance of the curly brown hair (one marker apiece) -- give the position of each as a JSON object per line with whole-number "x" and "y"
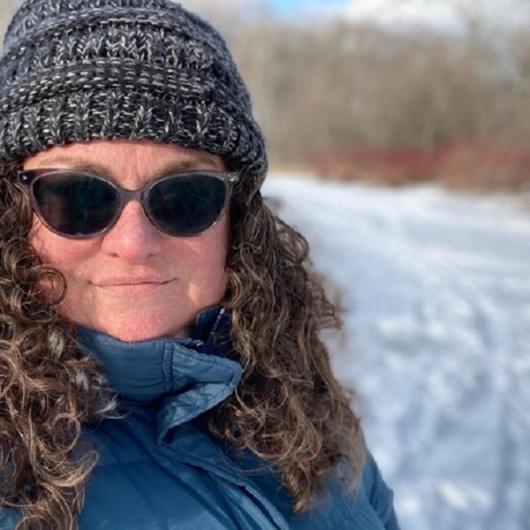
{"x": 288, "y": 410}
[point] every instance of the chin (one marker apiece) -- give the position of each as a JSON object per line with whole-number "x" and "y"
{"x": 131, "y": 330}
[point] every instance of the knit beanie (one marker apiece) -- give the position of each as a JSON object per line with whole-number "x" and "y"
{"x": 76, "y": 70}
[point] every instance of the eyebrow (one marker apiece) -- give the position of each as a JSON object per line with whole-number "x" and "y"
{"x": 79, "y": 164}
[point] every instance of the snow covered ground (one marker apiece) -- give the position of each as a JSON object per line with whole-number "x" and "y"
{"x": 437, "y": 292}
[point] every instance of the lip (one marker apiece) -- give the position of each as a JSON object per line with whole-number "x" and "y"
{"x": 131, "y": 282}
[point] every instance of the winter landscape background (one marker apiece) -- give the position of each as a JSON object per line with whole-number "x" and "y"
{"x": 437, "y": 334}
{"x": 435, "y": 284}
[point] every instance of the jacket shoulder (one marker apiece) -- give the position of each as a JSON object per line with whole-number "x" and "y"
{"x": 9, "y": 518}
{"x": 379, "y": 494}
{"x": 370, "y": 507}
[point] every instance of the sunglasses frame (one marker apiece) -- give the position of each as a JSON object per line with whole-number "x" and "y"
{"x": 28, "y": 178}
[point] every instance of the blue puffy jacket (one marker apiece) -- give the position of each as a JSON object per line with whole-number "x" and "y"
{"x": 159, "y": 469}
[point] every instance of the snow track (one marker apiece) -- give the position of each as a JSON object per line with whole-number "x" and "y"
{"x": 436, "y": 289}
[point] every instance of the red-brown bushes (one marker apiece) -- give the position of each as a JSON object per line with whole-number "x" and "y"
{"x": 480, "y": 166}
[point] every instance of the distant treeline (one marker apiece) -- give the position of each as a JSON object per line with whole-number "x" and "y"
{"x": 331, "y": 89}
{"x": 339, "y": 89}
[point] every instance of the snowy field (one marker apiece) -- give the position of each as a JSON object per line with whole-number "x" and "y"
{"x": 437, "y": 292}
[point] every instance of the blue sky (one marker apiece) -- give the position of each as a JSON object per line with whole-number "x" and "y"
{"x": 441, "y": 14}
{"x": 291, "y": 7}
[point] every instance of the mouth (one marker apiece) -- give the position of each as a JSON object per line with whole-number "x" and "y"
{"x": 119, "y": 282}
{"x": 132, "y": 286}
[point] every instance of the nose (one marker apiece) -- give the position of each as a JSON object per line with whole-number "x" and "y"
{"x": 133, "y": 238}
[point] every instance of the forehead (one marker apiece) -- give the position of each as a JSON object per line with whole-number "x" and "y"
{"x": 125, "y": 157}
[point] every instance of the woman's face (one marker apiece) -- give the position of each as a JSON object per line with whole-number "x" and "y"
{"x": 133, "y": 282}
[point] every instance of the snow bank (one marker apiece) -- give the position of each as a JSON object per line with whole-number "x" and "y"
{"x": 437, "y": 345}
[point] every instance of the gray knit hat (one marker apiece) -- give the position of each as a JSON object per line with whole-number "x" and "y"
{"x": 75, "y": 70}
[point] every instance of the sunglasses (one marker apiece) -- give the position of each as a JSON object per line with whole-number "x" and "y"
{"x": 79, "y": 205}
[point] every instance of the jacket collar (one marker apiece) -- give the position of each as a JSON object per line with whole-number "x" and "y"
{"x": 180, "y": 377}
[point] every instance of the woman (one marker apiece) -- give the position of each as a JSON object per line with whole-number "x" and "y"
{"x": 160, "y": 360}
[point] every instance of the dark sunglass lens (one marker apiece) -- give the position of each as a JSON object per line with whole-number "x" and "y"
{"x": 75, "y": 205}
{"x": 184, "y": 205}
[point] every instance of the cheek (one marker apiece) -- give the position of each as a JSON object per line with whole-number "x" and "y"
{"x": 59, "y": 252}
{"x": 204, "y": 256}
{"x": 208, "y": 257}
